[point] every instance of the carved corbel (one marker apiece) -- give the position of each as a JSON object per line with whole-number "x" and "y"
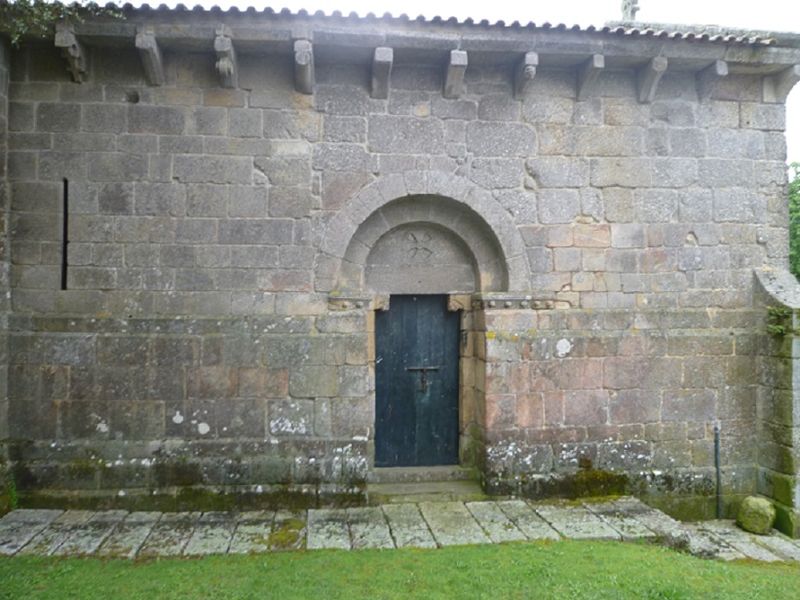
{"x": 708, "y": 78}
{"x": 150, "y": 53}
{"x": 778, "y": 86}
{"x": 454, "y": 77}
{"x": 227, "y": 67}
{"x": 382, "y": 62}
{"x": 589, "y": 74}
{"x": 649, "y": 77}
{"x": 72, "y": 50}
{"x": 304, "y": 66}
{"x": 525, "y": 73}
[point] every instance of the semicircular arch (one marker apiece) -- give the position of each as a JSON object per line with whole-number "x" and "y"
{"x": 467, "y": 211}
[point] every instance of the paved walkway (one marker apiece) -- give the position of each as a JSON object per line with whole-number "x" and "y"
{"x": 116, "y": 533}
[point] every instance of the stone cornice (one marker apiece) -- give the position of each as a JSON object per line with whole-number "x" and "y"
{"x": 261, "y": 33}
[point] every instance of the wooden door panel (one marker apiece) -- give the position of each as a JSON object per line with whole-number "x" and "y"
{"x": 416, "y": 370}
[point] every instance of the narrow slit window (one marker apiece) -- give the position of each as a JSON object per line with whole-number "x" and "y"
{"x": 64, "y": 234}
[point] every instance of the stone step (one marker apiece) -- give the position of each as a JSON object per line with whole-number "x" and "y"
{"x": 424, "y": 491}
{"x": 422, "y": 524}
{"x": 422, "y": 474}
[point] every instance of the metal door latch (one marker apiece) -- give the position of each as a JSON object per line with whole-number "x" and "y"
{"x": 423, "y": 376}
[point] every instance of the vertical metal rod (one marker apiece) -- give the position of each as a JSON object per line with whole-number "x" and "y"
{"x": 64, "y": 234}
{"x": 717, "y": 467}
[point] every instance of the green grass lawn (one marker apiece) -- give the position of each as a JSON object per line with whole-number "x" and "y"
{"x": 557, "y": 570}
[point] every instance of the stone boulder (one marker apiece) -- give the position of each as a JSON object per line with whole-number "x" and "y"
{"x": 756, "y": 515}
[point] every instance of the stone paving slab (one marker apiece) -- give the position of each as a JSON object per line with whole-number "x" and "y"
{"x": 452, "y": 524}
{"x": 665, "y": 527}
{"x": 88, "y": 538}
{"x": 700, "y": 542}
{"x": 683, "y": 536}
{"x": 48, "y": 541}
{"x": 253, "y": 529}
{"x": 527, "y": 521}
{"x": 368, "y": 528}
{"x": 118, "y": 534}
{"x": 495, "y": 522}
{"x": 780, "y": 545}
{"x": 576, "y": 522}
{"x": 738, "y": 539}
{"x": 129, "y": 535}
{"x": 627, "y": 524}
{"x": 409, "y": 529}
{"x": 327, "y": 528}
{"x": 212, "y": 534}
{"x": 21, "y": 526}
{"x": 288, "y": 531}
{"x": 170, "y": 535}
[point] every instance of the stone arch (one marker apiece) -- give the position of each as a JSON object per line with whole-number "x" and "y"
{"x": 466, "y": 211}
{"x": 423, "y": 244}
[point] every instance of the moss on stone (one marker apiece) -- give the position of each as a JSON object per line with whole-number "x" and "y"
{"x": 787, "y": 520}
{"x": 756, "y": 515}
{"x": 81, "y": 468}
{"x": 177, "y": 472}
{"x": 204, "y": 499}
{"x": 6, "y": 501}
{"x": 287, "y": 535}
{"x": 596, "y": 482}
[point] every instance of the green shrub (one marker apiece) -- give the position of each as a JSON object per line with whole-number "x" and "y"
{"x": 794, "y": 219}
{"x": 21, "y": 19}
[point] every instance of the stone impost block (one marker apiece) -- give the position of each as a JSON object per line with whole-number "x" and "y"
{"x": 226, "y": 64}
{"x": 707, "y": 79}
{"x": 72, "y": 50}
{"x": 589, "y": 74}
{"x": 304, "y": 66}
{"x": 525, "y": 73}
{"x": 649, "y": 77}
{"x": 454, "y": 75}
{"x": 150, "y": 53}
{"x": 382, "y": 62}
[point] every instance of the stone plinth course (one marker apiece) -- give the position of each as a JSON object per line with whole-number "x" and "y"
{"x": 117, "y": 534}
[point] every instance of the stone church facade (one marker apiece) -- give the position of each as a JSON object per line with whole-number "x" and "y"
{"x": 211, "y": 217}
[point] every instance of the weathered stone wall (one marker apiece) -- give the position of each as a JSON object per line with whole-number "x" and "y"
{"x": 156, "y": 403}
{"x": 5, "y": 492}
{"x": 778, "y": 362}
{"x": 619, "y": 400}
{"x": 197, "y": 343}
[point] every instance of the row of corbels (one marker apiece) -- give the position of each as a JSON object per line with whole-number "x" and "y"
{"x": 228, "y": 69}
{"x": 775, "y": 88}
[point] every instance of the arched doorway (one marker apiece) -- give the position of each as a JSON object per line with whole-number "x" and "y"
{"x": 420, "y": 259}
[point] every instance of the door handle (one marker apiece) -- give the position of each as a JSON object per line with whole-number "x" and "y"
{"x": 423, "y": 376}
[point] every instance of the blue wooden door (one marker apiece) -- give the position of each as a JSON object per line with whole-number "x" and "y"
{"x": 416, "y": 382}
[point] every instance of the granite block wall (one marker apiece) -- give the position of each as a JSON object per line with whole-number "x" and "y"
{"x": 777, "y": 401}
{"x": 207, "y": 334}
{"x": 620, "y": 400}
{"x": 5, "y": 491}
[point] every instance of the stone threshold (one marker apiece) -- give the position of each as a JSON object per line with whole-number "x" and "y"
{"x": 143, "y": 535}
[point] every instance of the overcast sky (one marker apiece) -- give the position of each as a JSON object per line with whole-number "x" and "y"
{"x": 775, "y": 15}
